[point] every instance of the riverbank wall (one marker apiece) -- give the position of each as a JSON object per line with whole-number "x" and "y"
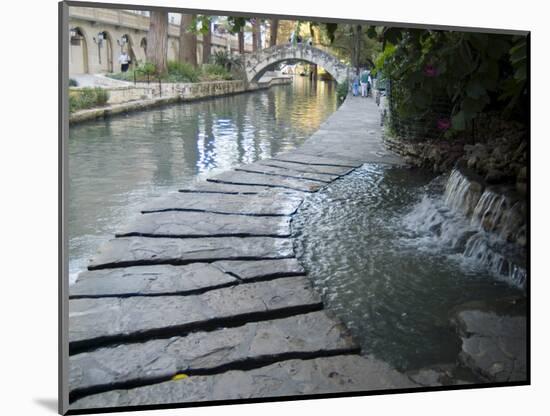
{"x": 499, "y": 159}
{"x": 129, "y": 98}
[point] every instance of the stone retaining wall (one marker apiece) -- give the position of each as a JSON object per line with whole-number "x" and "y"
{"x": 142, "y": 96}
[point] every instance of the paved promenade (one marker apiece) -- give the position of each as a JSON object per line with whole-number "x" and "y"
{"x": 202, "y": 298}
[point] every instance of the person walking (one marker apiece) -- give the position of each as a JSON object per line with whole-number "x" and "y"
{"x": 355, "y": 86}
{"x": 364, "y": 79}
{"x": 124, "y": 61}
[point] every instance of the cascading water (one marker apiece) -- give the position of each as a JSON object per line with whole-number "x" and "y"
{"x": 482, "y": 228}
{"x": 396, "y": 253}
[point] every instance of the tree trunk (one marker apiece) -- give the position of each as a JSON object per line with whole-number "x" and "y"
{"x": 256, "y": 36}
{"x": 188, "y": 41}
{"x": 274, "y": 28}
{"x": 241, "y": 41}
{"x": 356, "y": 54}
{"x": 206, "y": 45}
{"x": 157, "y": 40}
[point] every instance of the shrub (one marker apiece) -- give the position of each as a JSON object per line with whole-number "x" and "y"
{"x": 73, "y": 83}
{"x": 342, "y": 90}
{"x": 182, "y": 72}
{"x": 88, "y": 98}
{"x": 214, "y": 72}
{"x": 226, "y": 60}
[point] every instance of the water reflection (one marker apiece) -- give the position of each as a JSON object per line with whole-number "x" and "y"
{"x": 115, "y": 165}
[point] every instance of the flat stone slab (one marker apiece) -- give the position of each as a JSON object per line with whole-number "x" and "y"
{"x": 271, "y": 203}
{"x": 296, "y": 167}
{"x": 494, "y": 346}
{"x": 137, "y": 251}
{"x": 205, "y": 224}
{"x": 286, "y": 173}
{"x": 205, "y": 187}
{"x": 338, "y": 374}
{"x": 150, "y": 280}
{"x": 308, "y": 159}
{"x": 103, "y": 320}
{"x": 246, "y": 178}
{"x": 129, "y": 364}
{"x": 261, "y": 269}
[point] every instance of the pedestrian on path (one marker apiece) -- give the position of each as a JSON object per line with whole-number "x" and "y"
{"x": 364, "y": 82}
{"x": 124, "y": 61}
{"x": 355, "y": 85}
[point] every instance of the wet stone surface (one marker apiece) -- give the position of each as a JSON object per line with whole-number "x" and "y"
{"x": 286, "y": 173}
{"x": 104, "y": 320}
{"x": 312, "y": 333}
{"x": 150, "y": 280}
{"x": 129, "y": 251}
{"x": 493, "y": 345}
{"x": 258, "y": 269}
{"x": 342, "y": 373}
{"x": 248, "y": 178}
{"x": 206, "y": 224}
{"x": 268, "y": 203}
{"x": 296, "y": 167}
{"x": 309, "y": 159}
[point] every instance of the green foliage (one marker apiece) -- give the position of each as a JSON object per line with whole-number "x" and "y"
{"x": 214, "y": 72}
{"x": 226, "y": 60}
{"x": 88, "y": 98}
{"x": 342, "y": 90}
{"x": 182, "y": 72}
{"x": 470, "y": 72}
{"x": 73, "y": 83}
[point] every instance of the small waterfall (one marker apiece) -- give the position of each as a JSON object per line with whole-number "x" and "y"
{"x": 483, "y": 227}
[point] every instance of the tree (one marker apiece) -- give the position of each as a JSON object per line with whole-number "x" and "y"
{"x": 236, "y": 25}
{"x": 274, "y": 28}
{"x": 188, "y": 40}
{"x": 157, "y": 40}
{"x": 256, "y": 34}
{"x": 207, "y": 42}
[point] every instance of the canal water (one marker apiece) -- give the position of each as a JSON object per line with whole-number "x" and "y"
{"x": 393, "y": 261}
{"x": 117, "y": 164}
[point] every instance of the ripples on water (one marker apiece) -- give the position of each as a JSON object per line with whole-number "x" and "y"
{"x": 117, "y": 164}
{"x": 378, "y": 276}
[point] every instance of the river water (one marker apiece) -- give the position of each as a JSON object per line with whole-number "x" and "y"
{"x": 385, "y": 262}
{"x": 117, "y": 164}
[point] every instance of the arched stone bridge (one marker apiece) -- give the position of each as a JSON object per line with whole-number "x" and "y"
{"x": 257, "y": 63}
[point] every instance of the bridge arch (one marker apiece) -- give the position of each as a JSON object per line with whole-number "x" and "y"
{"x": 257, "y": 63}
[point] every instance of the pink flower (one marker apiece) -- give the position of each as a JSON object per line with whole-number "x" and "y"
{"x": 443, "y": 124}
{"x": 430, "y": 71}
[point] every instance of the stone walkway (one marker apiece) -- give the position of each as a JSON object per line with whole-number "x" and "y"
{"x": 202, "y": 298}
{"x": 98, "y": 80}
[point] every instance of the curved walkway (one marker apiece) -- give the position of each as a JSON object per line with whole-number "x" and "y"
{"x": 202, "y": 298}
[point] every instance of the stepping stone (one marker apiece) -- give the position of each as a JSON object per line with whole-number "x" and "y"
{"x": 205, "y": 187}
{"x": 261, "y": 269}
{"x": 306, "y": 159}
{"x": 139, "y": 251}
{"x": 493, "y": 345}
{"x": 296, "y": 167}
{"x": 150, "y": 280}
{"x": 96, "y": 322}
{"x": 285, "y": 173}
{"x": 205, "y": 224}
{"x": 246, "y": 178}
{"x": 338, "y": 374}
{"x": 270, "y": 203}
{"x": 130, "y": 364}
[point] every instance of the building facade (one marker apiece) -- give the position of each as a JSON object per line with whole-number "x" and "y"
{"x": 98, "y": 36}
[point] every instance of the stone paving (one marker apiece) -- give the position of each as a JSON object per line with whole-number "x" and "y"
{"x": 202, "y": 297}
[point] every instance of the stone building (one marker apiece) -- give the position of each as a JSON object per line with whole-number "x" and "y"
{"x": 97, "y": 37}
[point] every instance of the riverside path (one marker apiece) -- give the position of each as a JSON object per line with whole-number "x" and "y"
{"x": 203, "y": 299}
